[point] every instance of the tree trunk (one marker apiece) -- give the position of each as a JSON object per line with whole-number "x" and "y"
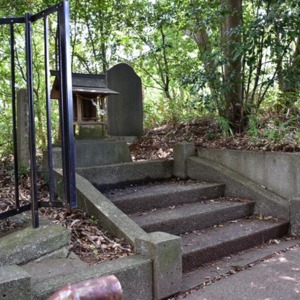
{"x": 233, "y": 67}
{"x": 288, "y": 78}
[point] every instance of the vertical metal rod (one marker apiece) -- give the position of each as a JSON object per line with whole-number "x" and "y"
{"x": 60, "y": 103}
{"x": 56, "y": 48}
{"x": 48, "y": 109}
{"x": 14, "y": 114}
{"x": 67, "y": 103}
{"x": 32, "y": 146}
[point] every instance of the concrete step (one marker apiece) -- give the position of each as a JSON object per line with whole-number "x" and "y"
{"x": 236, "y": 262}
{"x": 137, "y": 198}
{"x": 207, "y": 245}
{"x": 29, "y": 244}
{"x": 193, "y": 216}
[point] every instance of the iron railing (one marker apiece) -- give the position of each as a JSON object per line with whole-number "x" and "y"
{"x": 62, "y": 12}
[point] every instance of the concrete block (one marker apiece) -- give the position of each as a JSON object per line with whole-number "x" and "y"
{"x": 165, "y": 251}
{"x": 14, "y": 283}
{"x": 295, "y": 216}
{"x": 90, "y": 153}
{"x": 133, "y": 272}
{"x": 29, "y": 244}
{"x": 182, "y": 151}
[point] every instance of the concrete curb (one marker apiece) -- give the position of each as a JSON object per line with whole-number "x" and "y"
{"x": 96, "y": 204}
{"x": 134, "y": 273}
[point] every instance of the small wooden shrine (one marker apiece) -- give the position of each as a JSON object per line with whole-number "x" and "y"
{"x": 89, "y": 107}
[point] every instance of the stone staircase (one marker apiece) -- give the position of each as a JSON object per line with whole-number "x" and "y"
{"x": 214, "y": 221}
{"x": 210, "y": 225}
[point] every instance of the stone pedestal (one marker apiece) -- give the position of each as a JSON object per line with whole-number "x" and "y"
{"x": 295, "y": 216}
{"x": 91, "y": 153}
{"x": 165, "y": 251}
{"x": 182, "y": 151}
{"x": 91, "y": 132}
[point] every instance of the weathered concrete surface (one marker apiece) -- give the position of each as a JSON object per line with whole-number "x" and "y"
{"x": 235, "y": 262}
{"x": 295, "y": 216}
{"x": 182, "y": 151}
{"x": 95, "y": 204}
{"x": 90, "y": 153}
{"x": 277, "y": 278}
{"x": 267, "y": 203}
{"x": 127, "y": 172}
{"x": 204, "y": 246}
{"x": 14, "y": 283}
{"x": 29, "y": 244}
{"x": 277, "y": 171}
{"x": 46, "y": 269}
{"x": 134, "y": 273}
{"x": 165, "y": 251}
{"x": 133, "y": 199}
{"x": 192, "y": 216}
{"x": 100, "y": 152}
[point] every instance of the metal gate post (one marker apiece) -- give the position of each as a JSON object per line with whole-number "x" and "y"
{"x": 32, "y": 150}
{"x": 67, "y": 106}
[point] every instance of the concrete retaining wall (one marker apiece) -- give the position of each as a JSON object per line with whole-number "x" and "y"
{"x": 277, "y": 171}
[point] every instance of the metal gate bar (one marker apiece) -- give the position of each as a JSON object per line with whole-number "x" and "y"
{"x": 13, "y": 94}
{"x": 48, "y": 109}
{"x": 67, "y": 103}
{"x": 32, "y": 147}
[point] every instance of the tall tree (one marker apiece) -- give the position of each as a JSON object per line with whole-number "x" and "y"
{"x": 232, "y": 35}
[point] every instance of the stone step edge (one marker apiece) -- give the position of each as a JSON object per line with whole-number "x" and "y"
{"x": 195, "y": 221}
{"x": 254, "y": 239}
{"x": 235, "y": 263}
{"x": 134, "y": 203}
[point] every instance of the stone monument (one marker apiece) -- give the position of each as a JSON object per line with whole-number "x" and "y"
{"x": 125, "y": 111}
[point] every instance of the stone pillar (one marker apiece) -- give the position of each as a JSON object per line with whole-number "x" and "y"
{"x": 23, "y": 128}
{"x": 182, "y": 151}
{"x": 165, "y": 251}
{"x": 295, "y": 216}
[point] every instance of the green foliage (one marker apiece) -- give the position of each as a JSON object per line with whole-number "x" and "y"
{"x": 225, "y": 126}
{"x": 275, "y": 130}
{"x": 194, "y": 57}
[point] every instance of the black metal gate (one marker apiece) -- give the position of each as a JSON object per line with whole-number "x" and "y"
{"x": 62, "y": 53}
